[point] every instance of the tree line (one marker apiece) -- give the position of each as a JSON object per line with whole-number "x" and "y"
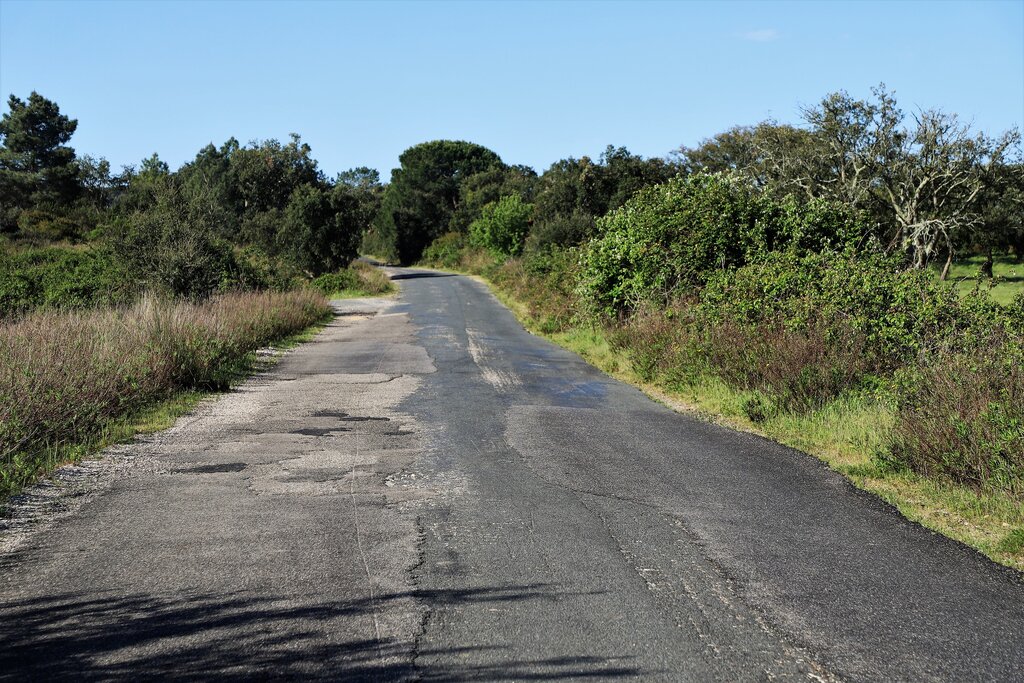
{"x": 236, "y": 216}
{"x": 926, "y": 187}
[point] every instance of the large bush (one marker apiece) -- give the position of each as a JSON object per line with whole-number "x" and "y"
{"x": 675, "y": 236}
{"x": 502, "y": 226}
{"x": 320, "y": 230}
{"x": 900, "y": 313}
{"x": 57, "y": 277}
{"x": 803, "y": 329}
{"x": 173, "y": 245}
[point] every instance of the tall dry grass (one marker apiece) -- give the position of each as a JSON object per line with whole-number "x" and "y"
{"x": 63, "y": 375}
{"x": 962, "y": 418}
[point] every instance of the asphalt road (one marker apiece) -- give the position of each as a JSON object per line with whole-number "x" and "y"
{"x": 427, "y": 491}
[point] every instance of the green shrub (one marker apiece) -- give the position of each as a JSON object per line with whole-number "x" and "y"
{"x": 897, "y": 312}
{"x": 666, "y": 237}
{"x": 804, "y": 329}
{"x": 61, "y": 278}
{"x": 445, "y": 251}
{"x": 175, "y": 243}
{"x": 961, "y": 417}
{"x": 330, "y": 283}
{"x": 675, "y": 236}
{"x": 561, "y": 231}
{"x": 502, "y": 226}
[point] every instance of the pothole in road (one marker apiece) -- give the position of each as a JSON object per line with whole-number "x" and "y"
{"x": 345, "y": 417}
{"x": 214, "y": 469}
{"x": 313, "y": 431}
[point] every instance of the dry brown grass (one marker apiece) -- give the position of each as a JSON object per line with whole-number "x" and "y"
{"x": 963, "y": 419}
{"x": 63, "y": 375}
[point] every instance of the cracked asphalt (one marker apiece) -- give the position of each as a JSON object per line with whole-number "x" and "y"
{"x": 428, "y": 492}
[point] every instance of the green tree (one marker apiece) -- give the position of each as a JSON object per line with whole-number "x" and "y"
{"x": 424, "y": 193}
{"x": 363, "y": 185}
{"x": 320, "y": 229}
{"x": 573, "y": 193}
{"x": 143, "y": 186}
{"x": 503, "y": 226}
{"x": 753, "y": 151}
{"x": 1002, "y": 211}
{"x": 266, "y": 173}
{"x": 36, "y": 166}
{"x": 212, "y": 171}
{"x": 490, "y": 185}
{"x": 173, "y": 245}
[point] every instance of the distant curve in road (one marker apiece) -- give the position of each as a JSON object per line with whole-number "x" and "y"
{"x": 426, "y": 491}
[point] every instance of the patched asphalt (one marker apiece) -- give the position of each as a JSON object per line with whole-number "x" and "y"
{"x": 426, "y": 491}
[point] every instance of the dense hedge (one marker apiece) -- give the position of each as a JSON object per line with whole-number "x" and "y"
{"x": 675, "y": 236}
{"x": 61, "y": 278}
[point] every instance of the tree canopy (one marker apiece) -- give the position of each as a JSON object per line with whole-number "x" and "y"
{"x": 424, "y": 194}
{"x": 36, "y": 165}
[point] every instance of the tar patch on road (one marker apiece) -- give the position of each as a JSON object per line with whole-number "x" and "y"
{"x": 345, "y": 417}
{"x": 214, "y": 469}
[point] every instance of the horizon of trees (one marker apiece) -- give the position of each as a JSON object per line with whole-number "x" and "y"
{"x": 927, "y": 184}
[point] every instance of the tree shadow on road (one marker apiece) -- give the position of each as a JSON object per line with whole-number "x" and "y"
{"x": 245, "y": 636}
{"x": 420, "y": 274}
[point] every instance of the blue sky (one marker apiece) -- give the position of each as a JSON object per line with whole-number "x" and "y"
{"x": 534, "y": 81}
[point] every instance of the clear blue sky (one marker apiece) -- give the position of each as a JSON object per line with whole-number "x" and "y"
{"x": 533, "y": 81}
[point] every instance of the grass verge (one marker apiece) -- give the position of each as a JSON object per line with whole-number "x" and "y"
{"x": 1006, "y": 283}
{"x": 847, "y": 434}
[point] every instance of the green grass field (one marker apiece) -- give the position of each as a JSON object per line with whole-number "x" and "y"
{"x": 1007, "y": 283}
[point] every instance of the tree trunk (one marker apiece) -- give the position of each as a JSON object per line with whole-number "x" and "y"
{"x": 945, "y": 268}
{"x": 986, "y": 266}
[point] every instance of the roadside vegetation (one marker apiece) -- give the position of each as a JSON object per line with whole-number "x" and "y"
{"x": 850, "y": 286}
{"x": 124, "y": 294}
{"x": 68, "y": 375}
{"x": 359, "y": 279}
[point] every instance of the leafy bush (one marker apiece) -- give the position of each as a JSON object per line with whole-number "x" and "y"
{"x": 802, "y": 330}
{"x": 676, "y": 235}
{"x": 897, "y": 312}
{"x": 563, "y": 231}
{"x": 502, "y": 226}
{"x": 173, "y": 245}
{"x": 55, "y": 277}
{"x": 445, "y": 251}
{"x": 330, "y": 283}
{"x": 320, "y": 231}
{"x": 51, "y": 223}
{"x": 67, "y": 373}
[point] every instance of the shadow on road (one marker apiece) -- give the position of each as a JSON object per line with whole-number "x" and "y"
{"x": 420, "y": 274}
{"x": 242, "y": 636}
